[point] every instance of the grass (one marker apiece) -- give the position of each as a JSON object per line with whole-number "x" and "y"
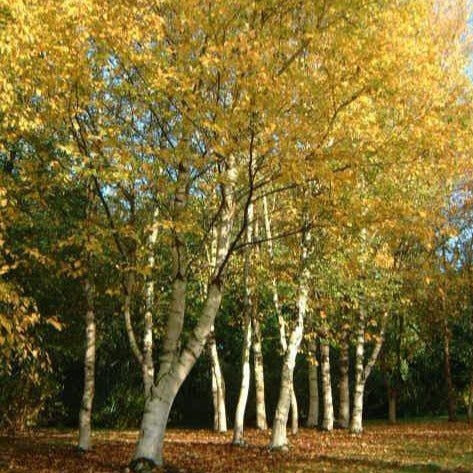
{"x": 417, "y": 447}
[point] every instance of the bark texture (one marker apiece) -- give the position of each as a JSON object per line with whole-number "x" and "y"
{"x": 328, "y": 416}
{"x": 356, "y": 424}
{"x": 150, "y": 443}
{"x": 279, "y": 434}
{"x": 85, "y": 413}
{"x": 238, "y": 425}
{"x": 261, "y": 421}
{"x": 363, "y": 371}
{"x": 218, "y": 387}
{"x": 344, "y": 386}
{"x": 144, "y": 356}
{"x": 281, "y": 321}
{"x": 147, "y": 361}
{"x": 176, "y": 362}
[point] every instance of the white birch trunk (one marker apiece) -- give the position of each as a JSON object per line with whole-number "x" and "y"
{"x": 281, "y": 321}
{"x": 261, "y": 421}
{"x": 356, "y": 423}
{"x": 218, "y": 387}
{"x": 279, "y": 434}
{"x": 147, "y": 366}
{"x": 176, "y": 364}
{"x": 147, "y": 360}
{"x": 244, "y": 386}
{"x": 313, "y": 415}
{"x": 343, "y": 420}
{"x": 274, "y": 284}
{"x": 327, "y": 420}
{"x": 85, "y": 413}
{"x": 148, "y": 451}
{"x": 363, "y": 372}
{"x": 144, "y": 356}
{"x": 294, "y": 411}
{"x": 238, "y": 425}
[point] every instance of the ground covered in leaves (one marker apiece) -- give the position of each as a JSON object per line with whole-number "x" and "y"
{"x": 408, "y": 447}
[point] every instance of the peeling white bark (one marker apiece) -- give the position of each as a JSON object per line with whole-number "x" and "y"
{"x": 244, "y": 386}
{"x": 176, "y": 364}
{"x": 274, "y": 283}
{"x": 85, "y": 413}
{"x": 147, "y": 361}
{"x": 144, "y": 356}
{"x": 279, "y": 434}
{"x": 218, "y": 387}
{"x": 343, "y": 420}
{"x": 163, "y": 393}
{"x": 363, "y": 371}
{"x": 281, "y": 321}
{"x": 238, "y": 425}
{"x": 327, "y": 420}
{"x": 261, "y": 422}
{"x": 294, "y": 411}
{"x": 356, "y": 423}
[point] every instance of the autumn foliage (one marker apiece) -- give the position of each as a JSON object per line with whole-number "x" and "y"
{"x": 270, "y": 187}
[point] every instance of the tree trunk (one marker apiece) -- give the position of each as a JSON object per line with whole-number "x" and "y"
{"x": 244, "y": 386}
{"x": 362, "y": 372}
{"x": 147, "y": 360}
{"x": 356, "y": 424}
{"x": 294, "y": 412}
{"x": 147, "y": 366}
{"x": 238, "y": 425}
{"x": 344, "y": 386}
{"x": 85, "y": 413}
{"x": 279, "y": 434}
{"x": 176, "y": 363}
{"x": 218, "y": 387}
{"x": 327, "y": 421}
{"x": 451, "y": 399}
{"x": 281, "y": 321}
{"x": 149, "y": 448}
{"x": 261, "y": 422}
{"x": 313, "y": 416}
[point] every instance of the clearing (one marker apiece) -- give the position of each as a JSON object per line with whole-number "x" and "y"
{"x": 407, "y": 447}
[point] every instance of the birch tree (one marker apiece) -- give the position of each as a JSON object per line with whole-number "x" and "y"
{"x": 278, "y": 434}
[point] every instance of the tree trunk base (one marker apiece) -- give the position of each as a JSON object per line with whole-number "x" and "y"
{"x": 356, "y": 430}
{"x": 279, "y": 448}
{"x": 239, "y": 443}
{"x": 341, "y": 425}
{"x": 144, "y": 465}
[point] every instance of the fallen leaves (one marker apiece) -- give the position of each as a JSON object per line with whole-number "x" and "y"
{"x": 423, "y": 447}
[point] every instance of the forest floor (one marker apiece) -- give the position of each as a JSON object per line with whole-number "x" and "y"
{"x": 407, "y": 448}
